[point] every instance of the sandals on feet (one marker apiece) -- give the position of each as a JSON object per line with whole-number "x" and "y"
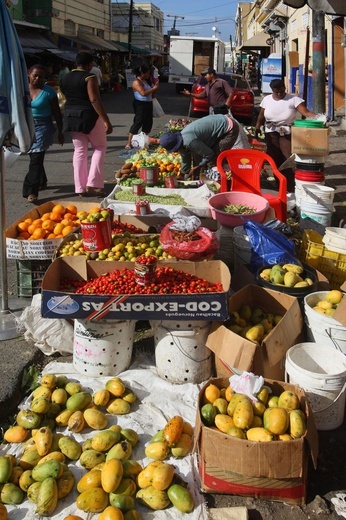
{"x": 128, "y": 147}
{"x": 32, "y": 198}
{"x": 96, "y": 192}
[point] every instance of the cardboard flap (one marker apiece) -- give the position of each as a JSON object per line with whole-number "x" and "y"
{"x": 237, "y": 351}
{"x": 340, "y": 313}
{"x": 311, "y": 434}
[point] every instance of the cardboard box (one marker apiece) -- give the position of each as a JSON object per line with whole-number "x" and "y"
{"x": 273, "y": 470}
{"x": 203, "y": 306}
{"x": 310, "y": 141}
{"x": 38, "y": 249}
{"x": 268, "y": 359}
{"x": 155, "y": 223}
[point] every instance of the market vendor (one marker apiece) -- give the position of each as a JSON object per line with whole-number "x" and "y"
{"x": 201, "y": 141}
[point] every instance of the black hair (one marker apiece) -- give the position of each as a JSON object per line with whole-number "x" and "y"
{"x": 84, "y": 58}
{"x": 276, "y": 83}
{"x": 37, "y": 66}
{"x": 141, "y": 70}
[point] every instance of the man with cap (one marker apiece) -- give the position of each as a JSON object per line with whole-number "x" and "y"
{"x": 217, "y": 91}
{"x": 201, "y": 141}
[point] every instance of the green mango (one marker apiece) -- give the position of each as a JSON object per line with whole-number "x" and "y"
{"x": 11, "y": 494}
{"x": 78, "y": 401}
{"x": 5, "y": 469}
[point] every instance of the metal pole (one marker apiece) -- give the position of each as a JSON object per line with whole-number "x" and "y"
{"x": 318, "y": 62}
{"x": 4, "y": 284}
{"x": 130, "y": 30}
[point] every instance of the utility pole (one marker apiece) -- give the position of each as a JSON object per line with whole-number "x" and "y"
{"x": 173, "y": 31}
{"x": 318, "y": 62}
{"x": 130, "y": 30}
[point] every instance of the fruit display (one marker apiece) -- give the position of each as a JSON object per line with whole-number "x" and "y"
{"x": 193, "y": 245}
{"x": 57, "y": 223}
{"x": 97, "y": 215}
{"x": 172, "y": 199}
{"x": 175, "y": 439}
{"x": 330, "y": 303}
{"x": 166, "y": 281}
{"x": 113, "y": 482}
{"x": 177, "y": 125}
{"x": 123, "y": 248}
{"x": 167, "y": 163}
{"x": 252, "y": 324}
{"x": 287, "y": 275}
{"x": 268, "y": 418}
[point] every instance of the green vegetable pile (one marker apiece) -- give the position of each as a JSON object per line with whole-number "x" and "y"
{"x": 169, "y": 200}
{"x": 238, "y": 209}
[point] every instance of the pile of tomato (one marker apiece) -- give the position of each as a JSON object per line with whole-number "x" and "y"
{"x": 118, "y": 228}
{"x": 166, "y": 281}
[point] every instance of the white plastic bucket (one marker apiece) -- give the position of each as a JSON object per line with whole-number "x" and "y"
{"x": 241, "y": 247}
{"x": 181, "y": 355}
{"x": 315, "y": 216}
{"x": 102, "y": 348}
{"x": 321, "y": 372}
{"x": 335, "y": 239}
{"x": 322, "y": 328}
{"x": 299, "y": 187}
{"x": 314, "y": 193}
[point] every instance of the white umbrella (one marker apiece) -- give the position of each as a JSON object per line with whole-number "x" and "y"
{"x": 16, "y": 128}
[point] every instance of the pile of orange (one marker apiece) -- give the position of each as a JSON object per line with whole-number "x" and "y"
{"x": 59, "y": 222}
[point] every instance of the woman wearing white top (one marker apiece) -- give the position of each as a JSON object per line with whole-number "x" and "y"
{"x": 278, "y": 111}
{"x": 142, "y": 103}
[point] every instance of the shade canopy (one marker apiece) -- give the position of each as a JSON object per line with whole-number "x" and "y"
{"x": 335, "y": 7}
{"x": 258, "y": 41}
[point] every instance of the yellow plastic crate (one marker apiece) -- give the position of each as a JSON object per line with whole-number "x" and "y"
{"x": 331, "y": 264}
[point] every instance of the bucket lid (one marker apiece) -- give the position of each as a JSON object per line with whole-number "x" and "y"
{"x": 330, "y": 362}
{"x": 309, "y": 123}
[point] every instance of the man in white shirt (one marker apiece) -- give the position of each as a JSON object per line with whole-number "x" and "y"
{"x": 97, "y": 71}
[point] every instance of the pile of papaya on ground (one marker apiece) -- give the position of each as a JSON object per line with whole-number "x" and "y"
{"x": 112, "y": 481}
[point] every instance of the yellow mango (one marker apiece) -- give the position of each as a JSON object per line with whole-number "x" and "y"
{"x": 90, "y": 480}
{"x": 297, "y": 423}
{"x": 234, "y": 431}
{"x": 16, "y": 473}
{"x": 78, "y": 401}
{"x": 16, "y": 434}
{"x": 235, "y": 399}
{"x": 151, "y": 497}
{"x": 63, "y": 417}
{"x": 183, "y": 446}
{"x": 126, "y": 487}
{"x": 73, "y": 388}
{"x": 56, "y": 455}
{"x": 101, "y": 397}
{"x": 115, "y": 386}
{"x": 42, "y": 391}
{"x": 43, "y": 440}
{"x": 90, "y": 458}
{"x": 131, "y": 468}
{"x": 118, "y": 407}
{"x": 221, "y": 405}
{"x": 223, "y": 422}
{"x": 121, "y": 450}
{"x": 25, "y": 480}
{"x": 111, "y": 513}
{"x": 59, "y": 396}
{"x": 162, "y": 476}
{"x": 32, "y": 492}
{"x": 29, "y": 459}
{"x": 47, "y": 498}
{"x": 40, "y": 405}
{"x": 65, "y": 483}
{"x": 93, "y": 500}
{"x": 187, "y": 428}
{"x": 111, "y": 475}
{"x": 211, "y": 393}
{"x": 95, "y": 419}
{"x": 157, "y": 450}
{"x": 104, "y": 440}
{"x": 258, "y": 408}
{"x": 276, "y": 420}
{"x": 70, "y": 447}
{"x": 289, "y": 400}
{"x": 49, "y": 380}
{"x": 259, "y": 435}
{"x": 145, "y": 476}
{"x": 76, "y": 422}
{"x": 243, "y": 414}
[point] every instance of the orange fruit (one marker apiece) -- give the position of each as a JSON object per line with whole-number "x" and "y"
{"x": 29, "y": 220}
{"x": 66, "y": 222}
{"x": 58, "y": 228}
{"x": 45, "y": 216}
{"x": 51, "y": 235}
{"x": 56, "y": 217}
{"x": 81, "y": 215}
{"x": 72, "y": 209}
{"x": 37, "y": 221}
{"x": 24, "y": 235}
{"x": 70, "y": 216}
{"x": 48, "y": 225}
{"x": 67, "y": 230}
{"x": 31, "y": 229}
{"x": 39, "y": 234}
{"x": 59, "y": 236}
{"x": 96, "y": 209}
{"x": 58, "y": 208}
{"x": 23, "y": 226}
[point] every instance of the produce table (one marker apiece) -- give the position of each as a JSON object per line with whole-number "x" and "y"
{"x": 196, "y": 202}
{"x": 158, "y": 400}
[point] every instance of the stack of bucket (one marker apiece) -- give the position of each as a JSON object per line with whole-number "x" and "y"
{"x": 314, "y": 200}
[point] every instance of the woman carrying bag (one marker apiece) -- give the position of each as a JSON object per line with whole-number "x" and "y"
{"x": 142, "y": 104}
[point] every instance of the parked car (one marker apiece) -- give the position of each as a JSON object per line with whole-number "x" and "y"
{"x": 242, "y": 102}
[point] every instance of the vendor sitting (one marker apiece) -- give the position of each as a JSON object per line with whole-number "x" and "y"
{"x": 202, "y": 140}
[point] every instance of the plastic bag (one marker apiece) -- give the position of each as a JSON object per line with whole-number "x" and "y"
{"x": 268, "y": 247}
{"x": 140, "y": 141}
{"x": 206, "y": 246}
{"x": 157, "y": 109}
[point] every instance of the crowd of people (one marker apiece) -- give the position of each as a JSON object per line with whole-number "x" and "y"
{"x": 199, "y": 143}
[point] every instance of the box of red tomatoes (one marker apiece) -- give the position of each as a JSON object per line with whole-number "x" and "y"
{"x": 74, "y": 287}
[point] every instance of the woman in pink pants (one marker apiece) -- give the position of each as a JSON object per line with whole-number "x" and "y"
{"x": 88, "y": 122}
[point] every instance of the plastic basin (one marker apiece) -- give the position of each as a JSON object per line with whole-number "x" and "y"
{"x": 216, "y": 202}
{"x": 298, "y": 292}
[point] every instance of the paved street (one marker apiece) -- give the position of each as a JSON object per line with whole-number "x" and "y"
{"x": 16, "y": 354}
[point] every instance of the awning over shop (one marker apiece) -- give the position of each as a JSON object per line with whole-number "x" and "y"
{"x": 134, "y": 49}
{"x": 255, "y": 42}
{"x": 64, "y": 55}
{"x": 96, "y": 43}
{"x": 34, "y": 40}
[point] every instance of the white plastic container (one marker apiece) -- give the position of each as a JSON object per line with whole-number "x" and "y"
{"x": 335, "y": 239}
{"x": 317, "y": 193}
{"x": 181, "y": 355}
{"x": 322, "y": 328}
{"x": 299, "y": 187}
{"x": 321, "y": 372}
{"x": 315, "y": 216}
{"x": 102, "y": 348}
{"x": 241, "y": 247}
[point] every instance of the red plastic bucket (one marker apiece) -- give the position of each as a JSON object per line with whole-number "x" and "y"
{"x": 309, "y": 176}
{"x": 150, "y": 175}
{"x": 171, "y": 181}
{"x": 96, "y": 235}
